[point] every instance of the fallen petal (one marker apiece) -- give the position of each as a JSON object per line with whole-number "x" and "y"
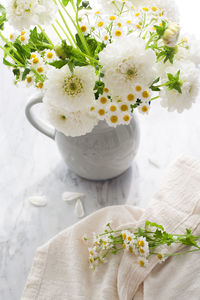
{"x": 38, "y": 200}
{"x": 69, "y": 196}
{"x": 79, "y": 210}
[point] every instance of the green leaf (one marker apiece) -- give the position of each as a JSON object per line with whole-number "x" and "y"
{"x": 58, "y": 64}
{"x": 7, "y": 63}
{"x": 174, "y": 82}
{"x": 148, "y": 223}
{"x": 160, "y": 30}
{"x": 25, "y": 73}
{"x": 16, "y": 72}
{"x": 99, "y": 88}
{"x": 153, "y": 87}
{"x": 2, "y": 16}
{"x": 38, "y": 41}
{"x": 65, "y": 2}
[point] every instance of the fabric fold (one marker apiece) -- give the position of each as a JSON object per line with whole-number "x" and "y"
{"x": 60, "y": 270}
{"x": 177, "y": 207}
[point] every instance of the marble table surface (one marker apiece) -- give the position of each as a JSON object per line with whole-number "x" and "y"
{"x": 31, "y": 165}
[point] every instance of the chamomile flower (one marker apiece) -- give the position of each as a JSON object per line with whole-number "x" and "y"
{"x": 117, "y": 32}
{"x": 72, "y": 92}
{"x": 162, "y": 255}
{"x": 50, "y": 56}
{"x": 144, "y": 108}
{"x": 103, "y": 100}
{"x": 70, "y": 123}
{"x": 124, "y": 107}
{"x": 113, "y": 119}
{"x": 101, "y": 112}
{"x": 36, "y": 59}
{"x": 189, "y": 78}
{"x": 30, "y": 79}
{"x": 126, "y": 118}
{"x": 85, "y": 28}
{"x": 142, "y": 261}
{"x": 130, "y": 64}
{"x": 131, "y": 98}
{"x": 24, "y": 37}
{"x": 113, "y": 107}
{"x": 13, "y": 36}
{"x": 105, "y": 37}
{"x": 189, "y": 49}
{"x": 41, "y": 69}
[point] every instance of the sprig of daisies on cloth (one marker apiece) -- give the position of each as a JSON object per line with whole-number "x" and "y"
{"x": 100, "y": 60}
{"x": 142, "y": 243}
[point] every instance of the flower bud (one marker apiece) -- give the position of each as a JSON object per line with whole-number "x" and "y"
{"x": 60, "y": 52}
{"x": 171, "y": 35}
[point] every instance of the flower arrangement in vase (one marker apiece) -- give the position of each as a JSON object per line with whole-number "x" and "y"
{"x": 103, "y": 59}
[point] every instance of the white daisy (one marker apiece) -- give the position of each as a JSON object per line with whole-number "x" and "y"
{"x": 72, "y": 92}
{"x": 113, "y": 119}
{"x": 13, "y": 36}
{"x": 144, "y": 108}
{"x": 50, "y": 56}
{"x": 162, "y": 255}
{"x": 142, "y": 261}
{"x": 124, "y": 107}
{"x": 36, "y": 59}
{"x": 22, "y": 13}
{"x": 117, "y": 33}
{"x": 70, "y": 123}
{"x": 24, "y": 37}
{"x": 85, "y": 28}
{"x": 101, "y": 112}
{"x": 30, "y": 79}
{"x": 126, "y": 118}
{"x": 130, "y": 63}
{"x": 189, "y": 76}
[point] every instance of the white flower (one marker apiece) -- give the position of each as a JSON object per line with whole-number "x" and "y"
{"x": 113, "y": 119}
{"x": 189, "y": 76}
{"x": 30, "y": 79}
{"x": 72, "y": 92}
{"x": 36, "y": 59}
{"x": 144, "y": 108}
{"x": 162, "y": 255}
{"x": 117, "y": 33}
{"x": 189, "y": 49}
{"x": 47, "y": 12}
{"x": 126, "y": 62}
{"x": 171, "y": 34}
{"x": 13, "y": 36}
{"x": 70, "y": 123}
{"x": 124, "y": 107}
{"x": 126, "y": 118}
{"x": 85, "y": 28}
{"x": 109, "y": 6}
{"x": 24, "y": 13}
{"x": 50, "y": 56}
{"x": 142, "y": 261}
{"x": 24, "y": 37}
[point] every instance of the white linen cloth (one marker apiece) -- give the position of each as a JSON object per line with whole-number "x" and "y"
{"x": 60, "y": 269}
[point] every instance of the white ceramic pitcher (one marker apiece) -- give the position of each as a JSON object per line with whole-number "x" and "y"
{"x": 103, "y": 154}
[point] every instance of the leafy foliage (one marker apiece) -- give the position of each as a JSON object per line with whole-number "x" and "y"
{"x": 160, "y": 30}
{"x": 2, "y": 16}
{"x": 166, "y": 53}
{"x": 99, "y": 88}
{"x": 153, "y": 87}
{"x": 94, "y": 46}
{"x": 38, "y": 41}
{"x": 174, "y": 82}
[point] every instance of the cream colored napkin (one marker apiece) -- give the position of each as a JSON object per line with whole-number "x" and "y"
{"x": 60, "y": 269}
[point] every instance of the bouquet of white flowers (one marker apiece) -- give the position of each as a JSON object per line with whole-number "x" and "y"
{"x": 113, "y": 57}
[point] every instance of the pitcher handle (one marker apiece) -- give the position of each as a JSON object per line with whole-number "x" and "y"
{"x": 36, "y": 122}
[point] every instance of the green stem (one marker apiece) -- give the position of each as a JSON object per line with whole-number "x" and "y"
{"x": 10, "y": 45}
{"x": 37, "y": 74}
{"x": 155, "y": 98}
{"x": 70, "y": 41}
{"x": 184, "y": 252}
{"x": 44, "y": 33}
{"x": 68, "y": 29}
{"x": 13, "y": 58}
{"x": 56, "y": 32}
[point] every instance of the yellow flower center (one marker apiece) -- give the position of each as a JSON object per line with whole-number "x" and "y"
{"x": 124, "y": 107}
{"x": 124, "y": 236}
{"x": 123, "y": 246}
{"x": 129, "y": 238}
{"x": 100, "y": 24}
{"x": 106, "y": 37}
{"x": 141, "y": 250}
{"x": 154, "y": 8}
{"x": 40, "y": 70}
{"x": 159, "y": 256}
{"x": 83, "y": 28}
{"x": 114, "y": 119}
{"x": 126, "y": 118}
{"x": 137, "y": 14}
{"x": 22, "y": 38}
{"x": 11, "y": 36}
{"x": 23, "y": 32}
{"x": 112, "y": 18}
{"x": 145, "y": 9}
{"x": 119, "y": 25}
{"x": 144, "y": 108}
{"x": 141, "y": 243}
{"x": 103, "y": 100}
{"x": 138, "y": 88}
{"x": 113, "y": 108}
{"x": 106, "y": 90}
{"x": 130, "y": 97}
{"x": 33, "y": 56}
{"x": 49, "y": 55}
{"x": 128, "y": 22}
{"x": 29, "y": 79}
{"x": 35, "y": 60}
{"x": 138, "y": 26}
{"x": 141, "y": 263}
{"x": 101, "y": 112}
{"x": 92, "y": 108}
{"x": 118, "y": 33}
{"x": 91, "y": 253}
{"x": 145, "y": 94}
{"x": 97, "y": 12}
{"x": 40, "y": 85}
{"x": 73, "y": 85}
